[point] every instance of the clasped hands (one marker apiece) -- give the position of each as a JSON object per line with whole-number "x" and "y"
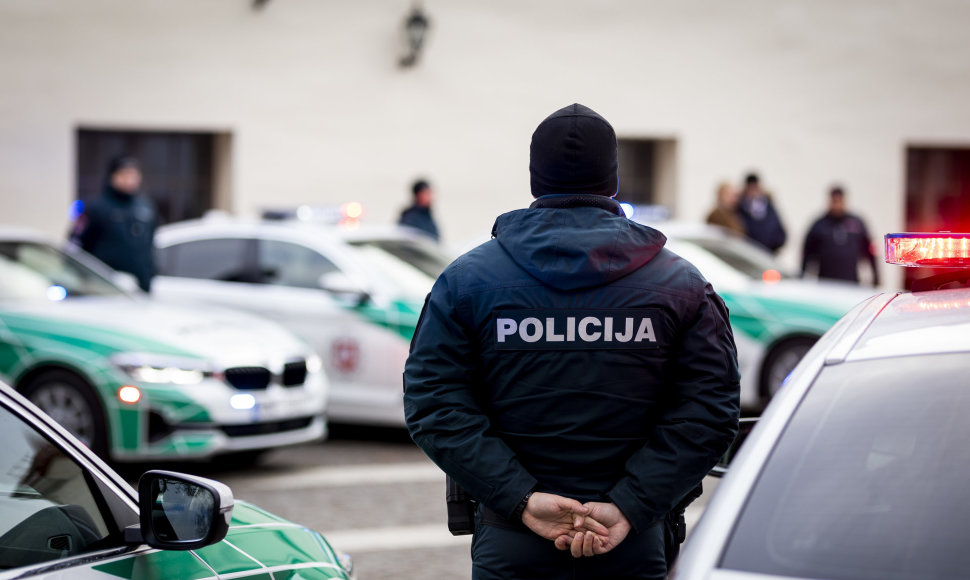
{"x": 585, "y": 529}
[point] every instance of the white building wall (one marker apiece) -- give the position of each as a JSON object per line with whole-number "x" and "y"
{"x": 806, "y": 92}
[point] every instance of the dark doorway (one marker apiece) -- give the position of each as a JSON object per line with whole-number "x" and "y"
{"x": 646, "y": 173}
{"x": 179, "y": 168}
{"x": 937, "y": 194}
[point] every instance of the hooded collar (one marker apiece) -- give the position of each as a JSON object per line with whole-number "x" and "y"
{"x": 574, "y": 245}
{"x": 565, "y": 201}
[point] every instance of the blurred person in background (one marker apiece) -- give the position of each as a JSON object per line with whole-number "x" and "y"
{"x": 757, "y": 212}
{"x": 418, "y": 215}
{"x": 725, "y": 212}
{"x": 119, "y": 226}
{"x": 836, "y": 243}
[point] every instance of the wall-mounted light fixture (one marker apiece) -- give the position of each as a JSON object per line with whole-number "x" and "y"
{"x": 415, "y": 26}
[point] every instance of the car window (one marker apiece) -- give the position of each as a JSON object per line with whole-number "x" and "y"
{"x": 47, "y": 507}
{"x": 288, "y": 264}
{"x": 407, "y": 280}
{"x": 224, "y": 259}
{"x": 868, "y": 479}
{"x": 742, "y": 256}
{"x": 32, "y": 271}
{"x": 427, "y": 259}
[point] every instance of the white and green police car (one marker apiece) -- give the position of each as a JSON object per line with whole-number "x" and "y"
{"x": 776, "y": 317}
{"x": 353, "y": 293}
{"x": 65, "y": 514}
{"x": 137, "y": 379}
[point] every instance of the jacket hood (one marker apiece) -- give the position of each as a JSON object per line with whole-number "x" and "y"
{"x": 576, "y": 247}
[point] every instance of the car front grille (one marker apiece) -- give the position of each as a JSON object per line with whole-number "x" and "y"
{"x": 251, "y": 429}
{"x": 258, "y": 378}
{"x": 294, "y": 373}
{"x": 249, "y": 378}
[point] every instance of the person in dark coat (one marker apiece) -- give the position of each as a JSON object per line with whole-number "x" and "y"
{"x": 119, "y": 226}
{"x": 837, "y": 242}
{"x": 761, "y": 221}
{"x": 418, "y": 215}
{"x": 572, "y": 375}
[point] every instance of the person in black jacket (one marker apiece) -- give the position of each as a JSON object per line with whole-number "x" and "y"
{"x": 418, "y": 215}
{"x": 837, "y": 242}
{"x": 761, "y": 221}
{"x": 119, "y": 227}
{"x": 572, "y": 375}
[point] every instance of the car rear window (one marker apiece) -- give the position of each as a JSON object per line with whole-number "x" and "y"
{"x": 869, "y": 479}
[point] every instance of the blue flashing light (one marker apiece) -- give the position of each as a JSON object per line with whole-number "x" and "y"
{"x": 75, "y": 210}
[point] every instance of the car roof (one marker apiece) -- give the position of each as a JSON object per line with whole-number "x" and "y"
{"x": 686, "y": 229}
{"x": 220, "y": 221}
{"x": 904, "y": 324}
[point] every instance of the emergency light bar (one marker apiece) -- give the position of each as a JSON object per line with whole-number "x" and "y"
{"x": 942, "y": 249}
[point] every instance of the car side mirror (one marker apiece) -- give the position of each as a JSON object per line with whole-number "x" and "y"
{"x": 126, "y": 282}
{"x": 344, "y": 287}
{"x": 180, "y": 512}
{"x": 745, "y": 425}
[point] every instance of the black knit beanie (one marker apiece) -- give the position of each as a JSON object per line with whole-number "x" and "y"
{"x": 573, "y": 151}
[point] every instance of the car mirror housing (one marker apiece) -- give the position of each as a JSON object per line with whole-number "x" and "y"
{"x": 181, "y": 512}
{"x": 342, "y": 286}
{"x": 744, "y": 428}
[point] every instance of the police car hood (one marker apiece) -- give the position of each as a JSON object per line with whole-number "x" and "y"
{"x": 574, "y": 248}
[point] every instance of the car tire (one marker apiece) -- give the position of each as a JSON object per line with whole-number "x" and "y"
{"x": 780, "y": 362}
{"x": 70, "y": 401}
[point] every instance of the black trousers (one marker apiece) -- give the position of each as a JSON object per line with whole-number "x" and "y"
{"x": 502, "y": 550}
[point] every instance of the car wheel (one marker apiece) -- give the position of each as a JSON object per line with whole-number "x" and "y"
{"x": 69, "y": 400}
{"x": 779, "y": 364}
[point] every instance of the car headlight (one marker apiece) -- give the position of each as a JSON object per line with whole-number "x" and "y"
{"x": 152, "y": 368}
{"x": 314, "y": 364}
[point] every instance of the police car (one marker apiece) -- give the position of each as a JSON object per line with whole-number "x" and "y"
{"x": 353, "y": 292}
{"x": 65, "y": 514}
{"x": 858, "y": 468}
{"x": 776, "y": 317}
{"x": 135, "y": 379}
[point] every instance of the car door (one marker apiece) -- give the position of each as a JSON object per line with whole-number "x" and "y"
{"x": 62, "y": 515}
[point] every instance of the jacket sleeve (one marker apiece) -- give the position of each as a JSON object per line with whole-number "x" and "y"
{"x": 697, "y": 425}
{"x": 442, "y": 412}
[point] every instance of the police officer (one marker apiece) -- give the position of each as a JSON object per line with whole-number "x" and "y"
{"x": 119, "y": 227}
{"x": 572, "y": 375}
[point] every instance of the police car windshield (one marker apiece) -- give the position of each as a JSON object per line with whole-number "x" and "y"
{"x": 868, "y": 479}
{"x": 32, "y": 271}
{"x": 741, "y": 255}
{"x": 407, "y": 280}
{"x": 424, "y": 257}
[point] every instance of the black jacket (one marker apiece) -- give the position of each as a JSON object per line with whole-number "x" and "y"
{"x": 119, "y": 229}
{"x": 573, "y": 354}
{"x": 836, "y": 245}
{"x": 419, "y": 217}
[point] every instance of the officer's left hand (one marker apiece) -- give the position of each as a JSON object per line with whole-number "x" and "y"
{"x": 552, "y": 516}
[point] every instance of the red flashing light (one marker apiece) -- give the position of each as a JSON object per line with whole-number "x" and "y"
{"x": 771, "y": 276}
{"x": 943, "y": 249}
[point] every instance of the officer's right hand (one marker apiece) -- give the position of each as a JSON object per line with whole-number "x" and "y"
{"x": 591, "y": 542}
{"x": 551, "y": 516}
